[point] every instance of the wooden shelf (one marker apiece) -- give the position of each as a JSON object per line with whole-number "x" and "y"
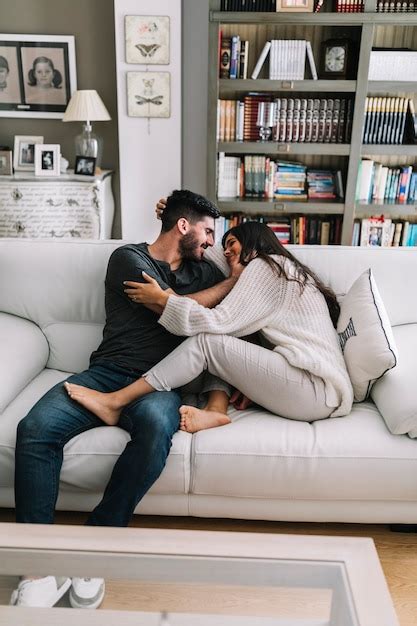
{"x": 379, "y": 86}
{"x": 231, "y": 85}
{"x": 274, "y": 207}
{"x": 274, "y": 148}
{"x": 323, "y": 19}
{"x": 390, "y": 150}
{"x": 364, "y": 209}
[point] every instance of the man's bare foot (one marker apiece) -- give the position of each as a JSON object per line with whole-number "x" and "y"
{"x": 192, "y": 420}
{"x": 101, "y": 404}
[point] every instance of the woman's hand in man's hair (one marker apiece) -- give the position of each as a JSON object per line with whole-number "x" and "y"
{"x": 160, "y": 206}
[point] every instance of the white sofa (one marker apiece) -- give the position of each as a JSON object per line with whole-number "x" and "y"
{"x": 349, "y": 469}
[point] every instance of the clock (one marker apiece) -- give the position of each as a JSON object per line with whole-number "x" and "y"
{"x": 335, "y": 58}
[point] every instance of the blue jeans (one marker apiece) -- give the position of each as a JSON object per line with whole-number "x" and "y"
{"x": 55, "y": 419}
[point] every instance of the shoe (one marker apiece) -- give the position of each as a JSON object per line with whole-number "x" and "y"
{"x": 87, "y": 593}
{"x": 41, "y": 592}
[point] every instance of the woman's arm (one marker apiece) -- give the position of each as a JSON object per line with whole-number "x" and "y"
{"x": 258, "y": 294}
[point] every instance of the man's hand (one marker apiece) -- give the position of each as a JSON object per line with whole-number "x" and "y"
{"x": 148, "y": 294}
{"x": 160, "y": 206}
{"x": 240, "y": 401}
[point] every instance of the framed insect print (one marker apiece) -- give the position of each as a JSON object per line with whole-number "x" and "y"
{"x": 149, "y": 94}
{"x": 147, "y": 39}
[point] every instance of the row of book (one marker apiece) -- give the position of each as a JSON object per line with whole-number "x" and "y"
{"x": 385, "y": 119}
{"x": 234, "y": 57}
{"x": 248, "y": 5}
{"x": 383, "y": 232}
{"x": 287, "y": 59}
{"x": 300, "y": 229}
{"x": 349, "y": 6}
{"x": 258, "y": 176}
{"x": 396, "y": 7}
{"x": 295, "y": 120}
{"x": 380, "y": 184}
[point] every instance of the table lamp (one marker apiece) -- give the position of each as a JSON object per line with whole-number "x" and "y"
{"x": 87, "y": 106}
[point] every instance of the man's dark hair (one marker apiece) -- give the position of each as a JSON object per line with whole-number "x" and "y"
{"x": 184, "y": 203}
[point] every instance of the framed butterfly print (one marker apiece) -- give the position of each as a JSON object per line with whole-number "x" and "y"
{"x": 149, "y": 94}
{"x": 147, "y": 39}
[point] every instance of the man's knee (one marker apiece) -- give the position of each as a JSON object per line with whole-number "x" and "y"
{"x": 158, "y": 414}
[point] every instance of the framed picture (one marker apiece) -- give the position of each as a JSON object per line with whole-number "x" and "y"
{"x": 85, "y": 166}
{"x": 303, "y": 6}
{"x": 24, "y": 152}
{"x": 375, "y": 232}
{"x": 37, "y": 75}
{"x": 6, "y": 163}
{"x": 149, "y": 94}
{"x": 47, "y": 159}
{"x": 147, "y": 39}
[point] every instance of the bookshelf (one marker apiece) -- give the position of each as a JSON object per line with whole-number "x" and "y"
{"x": 368, "y": 29}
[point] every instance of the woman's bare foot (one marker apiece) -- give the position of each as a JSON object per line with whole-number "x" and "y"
{"x": 192, "y": 419}
{"x": 101, "y": 404}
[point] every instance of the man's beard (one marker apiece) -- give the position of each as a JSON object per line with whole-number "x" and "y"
{"x": 189, "y": 247}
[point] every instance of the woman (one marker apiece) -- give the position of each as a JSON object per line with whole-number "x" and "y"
{"x": 301, "y": 373}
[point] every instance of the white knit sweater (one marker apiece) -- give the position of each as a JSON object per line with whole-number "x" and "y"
{"x": 295, "y": 322}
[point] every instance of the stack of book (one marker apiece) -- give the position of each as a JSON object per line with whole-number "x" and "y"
{"x": 324, "y": 184}
{"x": 385, "y": 120}
{"x": 396, "y": 7}
{"x": 250, "y": 114}
{"x": 313, "y": 120}
{"x": 383, "y": 232}
{"x": 287, "y": 59}
{"x": 233, "y": 57}
{"x": 349, "y": 6}
{"x": 380, "y": 184}
{"x": 229, "y": 172}
{"x": 290, "y": 181}
{"x": 248, "y": 5}
{"x": 230, "y": 120}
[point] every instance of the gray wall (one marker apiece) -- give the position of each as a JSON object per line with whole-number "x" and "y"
{"x": 92, "y": 24}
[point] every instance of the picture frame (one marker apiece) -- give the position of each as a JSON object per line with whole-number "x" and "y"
{"x": 85, "y": 166}
{"x": 6, "y": 168}
{"x": 24, "y": 152}
{"x": 147, "y": 39}
{"x": 149, "y": 94}
{"x": 375, "y": 232}
{"x": 300, "y": 6}
{"x": 47, "y": 159}
{"x": 37, "y": 75}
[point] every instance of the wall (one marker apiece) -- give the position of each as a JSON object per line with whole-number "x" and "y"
{"x": 92, "y": 23}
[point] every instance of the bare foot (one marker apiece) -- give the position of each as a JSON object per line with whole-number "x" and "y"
{"x": 101, "y": 404}
{"x": 192, "y": 420}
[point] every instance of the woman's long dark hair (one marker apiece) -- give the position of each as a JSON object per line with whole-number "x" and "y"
{"x": 258, "y": 238}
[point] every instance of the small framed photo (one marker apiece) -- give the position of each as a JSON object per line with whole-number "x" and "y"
{"x": 6, "y": 163}
{"x": 24, "y": 152}
{"x": 375, "y": 232}
{"x": 47, "y": 159}
{"x": 147, "y": 39}
{"x": 302, "y": 6}
{"x": 85, "y": 166}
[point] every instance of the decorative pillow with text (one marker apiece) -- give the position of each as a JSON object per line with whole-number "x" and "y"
{"x": 365, "y": 335}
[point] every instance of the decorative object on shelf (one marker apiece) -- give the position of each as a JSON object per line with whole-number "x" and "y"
{"x": 147, "y": 39}
{"x": 265, "y": 119}
{"x": 37, "y": 75}
{"x": 64, "y": 165}
{"x": 47, "y": 159}
{"x": 87, "y": 106}
{"x": 335, "y": 58}
{"x": 6, "y": 163}
{"x": 392, "y": 64}
{"x": 24, "y": 152}
{"x": 300, "y": 6}
{"x": 149, "y": 94}
{"x": 85, "y": 166}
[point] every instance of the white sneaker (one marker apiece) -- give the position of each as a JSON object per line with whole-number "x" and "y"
{"x": 41, "y": 592}
{"x": 87, "y": 593}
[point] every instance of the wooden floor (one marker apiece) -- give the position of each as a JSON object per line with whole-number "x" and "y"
{"x": 397, "y": 552}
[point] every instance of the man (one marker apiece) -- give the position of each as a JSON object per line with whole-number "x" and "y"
{"x": 132, "y": 343}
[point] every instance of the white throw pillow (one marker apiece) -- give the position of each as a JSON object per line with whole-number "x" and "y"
{"x": 365, "y": 335}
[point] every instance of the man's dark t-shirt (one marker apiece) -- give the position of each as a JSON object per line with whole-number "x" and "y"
{"x": 132, "y": 337}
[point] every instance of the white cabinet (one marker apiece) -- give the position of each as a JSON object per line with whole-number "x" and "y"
{"x": 59, "y": 207}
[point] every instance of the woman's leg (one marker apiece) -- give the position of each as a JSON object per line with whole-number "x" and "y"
{"x": 212, "y": 415}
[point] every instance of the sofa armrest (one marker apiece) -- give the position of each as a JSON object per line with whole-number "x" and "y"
{"x": 24, "y": 352}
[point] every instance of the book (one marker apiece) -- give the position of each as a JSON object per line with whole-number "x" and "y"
{"x": 310, "y": 57}
{"x": 225, "y": 51}
{"x": 261, "y": 60}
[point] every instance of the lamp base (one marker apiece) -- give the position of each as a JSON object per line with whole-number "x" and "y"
{"x": 88, "y": 144}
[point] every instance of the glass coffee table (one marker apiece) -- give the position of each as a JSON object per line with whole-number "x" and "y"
{"x": 192, "y": 578}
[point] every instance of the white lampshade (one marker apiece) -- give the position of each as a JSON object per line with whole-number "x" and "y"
{"x": 86, "y": 106}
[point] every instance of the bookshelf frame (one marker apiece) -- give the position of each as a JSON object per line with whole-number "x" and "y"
{"x": 361, "y": 87}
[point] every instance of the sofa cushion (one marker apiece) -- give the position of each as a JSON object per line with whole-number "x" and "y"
{"x": 88, "y": 458}
{"x": 263, "y": 456}
{"x": 24, "y": 353}
{"x": 395, "y": 394}
{"x": 365, "y": 335}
